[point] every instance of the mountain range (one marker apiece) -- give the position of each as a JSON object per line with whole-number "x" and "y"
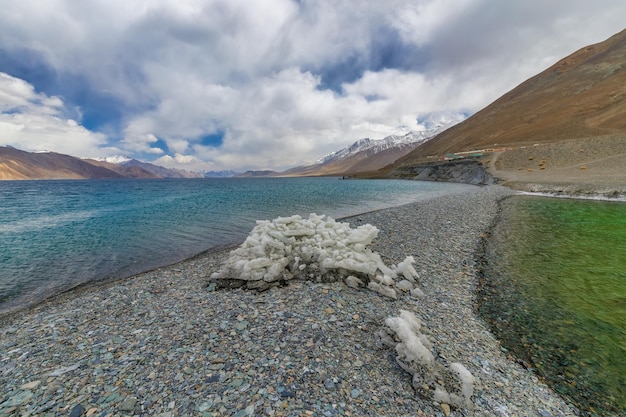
{"x": 371, "y": 154}
{"x": 16, "y": 164}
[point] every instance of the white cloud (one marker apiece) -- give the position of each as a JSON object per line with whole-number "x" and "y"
{"x": 186, "y": 162}
{"x": 419, "y": 21}
{"x": 34, "y": 122}
{"x": 258, "y": 74}
{"x": 141, "y": 143}
{"x": 17, "y": 95}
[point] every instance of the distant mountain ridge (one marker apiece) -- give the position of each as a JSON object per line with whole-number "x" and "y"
{"x": 371, "y": 154}
{"x": 375, "y": 146}
{"x": 160, "y": 171}
{"x": 16, "y": 164}
{"x": 20, "y": 165}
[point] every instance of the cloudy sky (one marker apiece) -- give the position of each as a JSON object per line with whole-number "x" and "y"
{"x": 257, "y": 84}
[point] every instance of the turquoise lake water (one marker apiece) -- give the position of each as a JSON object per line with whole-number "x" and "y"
{"x": 55, "y": 235}
{"x": 555, "y": 295}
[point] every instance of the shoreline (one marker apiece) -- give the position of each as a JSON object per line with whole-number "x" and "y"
{"x": 604, "y": 192}
{"x": 159, "y": 343}
{"x": 594, "y": 197}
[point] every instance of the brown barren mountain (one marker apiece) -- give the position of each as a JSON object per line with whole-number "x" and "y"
{"x": 565, "y": 125}
{"x": 20, "y": 165}
{"x": 16, "y": 164}
{"x": 124, "y": 171}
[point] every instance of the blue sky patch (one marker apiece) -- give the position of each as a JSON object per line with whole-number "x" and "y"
{"x": 214, "y": 140}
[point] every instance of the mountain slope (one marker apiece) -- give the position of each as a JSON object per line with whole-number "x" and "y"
{"x": 581, "y": 96}
{"x": 123, "y": 170}
{"x": 16, "y": 164}
{"x": 20, "y": 165}
{"x": 159, "y": 171}
{"x": 362, "y": 161}
{"x": 369, "y": 154}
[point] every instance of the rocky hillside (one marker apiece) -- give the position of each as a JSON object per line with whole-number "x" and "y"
{"x": 581, "y": 96}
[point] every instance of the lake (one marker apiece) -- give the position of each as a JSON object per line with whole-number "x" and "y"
{"x": 55, "y": 235}
{"x": 555, "y": 295}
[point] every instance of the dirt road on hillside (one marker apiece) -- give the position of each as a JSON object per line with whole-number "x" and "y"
{"x": 582, "y": 166}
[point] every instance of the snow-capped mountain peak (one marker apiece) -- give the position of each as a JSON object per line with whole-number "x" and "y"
{"x": 412, "y": 138}
{"x": 117, "y": 159}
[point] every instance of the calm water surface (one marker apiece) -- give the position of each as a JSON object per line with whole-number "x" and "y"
{"x": 555, "y": 295}
{"x": 57, "y": 234}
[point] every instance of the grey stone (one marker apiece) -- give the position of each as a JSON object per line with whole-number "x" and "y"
{"x": 128, "y": 404}
{"x": 77, "y": 411}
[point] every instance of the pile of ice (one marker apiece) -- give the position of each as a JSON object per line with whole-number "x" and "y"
{"x": 452, "y": 385}
{"x": 323, "y": 250}
{"x": 316, "y": 249}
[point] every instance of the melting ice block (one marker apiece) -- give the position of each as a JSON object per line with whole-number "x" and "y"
{"x": 316, "y": 248}
{"x": 453, "y": 384}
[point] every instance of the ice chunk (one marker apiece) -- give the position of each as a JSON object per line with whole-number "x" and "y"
{"x": 417, "y": 293}
{"x": 405, "y": 285}
{"x": 406, "y": 268}
{"x": 453, "y": 385}
{"x": 466, "y": 380}
{"x": 316, "y": 248}
{"x": 382, "y": 289}
{"x": 411, "y": 350}
{"x": 354, "y": 282}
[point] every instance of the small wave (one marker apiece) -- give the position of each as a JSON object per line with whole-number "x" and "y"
{"x": 46, "y": 221}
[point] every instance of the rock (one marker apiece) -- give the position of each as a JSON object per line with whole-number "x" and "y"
{"x": 465, "y": 171}
{"x": 445, "y": 409}
{"x": 18, "y": 399}
{"x": 64, "y": 370}
{"x": 260, "y": 285}
{"x": 128, "y": 404}
{"x": 205, "y": 406}
{"x": 77, "y": 411}
{"x": 31, "y": 385}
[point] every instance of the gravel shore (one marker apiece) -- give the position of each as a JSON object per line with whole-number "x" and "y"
{"x": 582, "y": 168}
{"x": 161, "y": 344}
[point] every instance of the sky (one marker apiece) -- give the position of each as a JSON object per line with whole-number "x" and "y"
{"x": 266, "y": 84}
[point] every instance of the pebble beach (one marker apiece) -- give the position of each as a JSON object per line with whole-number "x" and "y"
{"x": 162, "y": 344}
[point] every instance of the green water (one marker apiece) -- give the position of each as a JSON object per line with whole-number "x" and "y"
{"x": 554, "y": 292}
